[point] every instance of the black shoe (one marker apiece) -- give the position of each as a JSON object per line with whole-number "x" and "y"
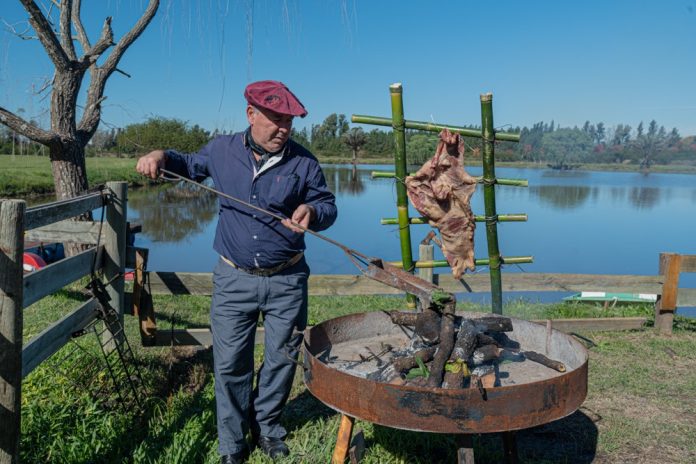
{"x": 273, "y": 447}
{"x": 235, "y": 458}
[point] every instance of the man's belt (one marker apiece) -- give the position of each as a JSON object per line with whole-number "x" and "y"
{"x": 266, "y": 272}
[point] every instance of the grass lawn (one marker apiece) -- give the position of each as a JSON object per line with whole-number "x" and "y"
{"x": 31, "y": 175}
{"x": 641, "y": 405}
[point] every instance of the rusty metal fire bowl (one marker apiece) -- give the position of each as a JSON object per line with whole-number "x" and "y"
{"x": 529, "y": 394}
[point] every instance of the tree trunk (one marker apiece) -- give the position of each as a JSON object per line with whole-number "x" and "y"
{"x": 70, "y": 179}
{"x": 68, "y": 166}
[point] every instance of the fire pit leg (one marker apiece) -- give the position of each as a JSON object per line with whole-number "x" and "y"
{"x": 345, "y": 431}
{"x": 510, "y": 447}
{"x": 465, "y": 453}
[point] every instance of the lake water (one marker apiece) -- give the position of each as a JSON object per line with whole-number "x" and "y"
{"x": 579, "y": 222}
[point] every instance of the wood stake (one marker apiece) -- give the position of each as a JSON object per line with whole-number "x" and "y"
{"x": 345, "y": 431}
{"x": 11, "y": 297}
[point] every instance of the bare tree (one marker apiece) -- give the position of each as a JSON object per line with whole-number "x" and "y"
{"x": 66, "y": 139}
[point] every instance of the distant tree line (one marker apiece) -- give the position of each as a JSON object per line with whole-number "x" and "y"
{"x": 543, "y": 143}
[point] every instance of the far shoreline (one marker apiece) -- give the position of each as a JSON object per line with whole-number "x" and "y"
{"x": 30, "y": 176}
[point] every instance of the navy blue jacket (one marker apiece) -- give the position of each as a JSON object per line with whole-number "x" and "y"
{"x": 247, "y": 237}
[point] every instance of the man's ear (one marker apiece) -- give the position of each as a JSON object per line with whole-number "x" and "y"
{"x": 251, "y": 114}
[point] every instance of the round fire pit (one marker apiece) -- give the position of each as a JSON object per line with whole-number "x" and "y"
{"x": 529, "y": 394}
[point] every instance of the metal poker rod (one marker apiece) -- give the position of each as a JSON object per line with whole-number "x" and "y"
{"x": 348, "y": 251}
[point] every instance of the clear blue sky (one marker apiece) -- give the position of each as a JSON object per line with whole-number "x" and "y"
{"x": 610, "y": 61}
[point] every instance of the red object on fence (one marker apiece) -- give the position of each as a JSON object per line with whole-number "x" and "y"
{"x": 32, "y": 262}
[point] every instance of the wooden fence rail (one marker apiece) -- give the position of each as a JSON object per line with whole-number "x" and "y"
{"x": 43, "y": 223}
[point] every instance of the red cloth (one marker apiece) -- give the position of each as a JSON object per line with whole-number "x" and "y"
{"x": 274, "y": 96}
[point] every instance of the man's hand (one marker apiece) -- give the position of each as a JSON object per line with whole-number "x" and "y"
{"x": 303, "y": 215}
{"x": 150, "y": 164}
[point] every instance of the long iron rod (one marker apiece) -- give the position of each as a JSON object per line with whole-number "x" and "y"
{"x": 269, "y": 213}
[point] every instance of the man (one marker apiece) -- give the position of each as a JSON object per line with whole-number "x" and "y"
{"x": 261, "y": 269}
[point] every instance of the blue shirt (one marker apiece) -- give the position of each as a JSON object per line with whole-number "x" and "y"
{"x": 247, "y": 237}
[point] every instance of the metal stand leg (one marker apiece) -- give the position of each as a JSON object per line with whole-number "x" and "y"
{"x": 345, "y": 431}
{"x": 465, "y": 451}
{"x": 510, "y": 447}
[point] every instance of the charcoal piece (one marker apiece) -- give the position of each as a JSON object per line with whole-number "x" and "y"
{"x": 505, "y": 341}
{"x": 466, "y": 341}
{"x": 444, "y": 350}
{"x": 483, "y": 377}
{"x": 405, "y": 363}
{"x": 453, "y": 380}
{"x": 428, "y": 325}
{"x": 483, "y": 339}
{"x": 493, "y": 324}
{"x": 403, "y": 317}
{"x": 484, "y": 354}
{"x": 544, "y": 361}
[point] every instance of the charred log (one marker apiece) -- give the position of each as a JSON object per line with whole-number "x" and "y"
{"x": 445, "y": 347}
{"x": 428, "y": 325}
{"x": 409, "y": 362}
{"x": 493, "y": 324}
{"x": 544, "y": 361}
{"x": 483, "y": 339}
{"x": 484, "y": 354}
{"x": 466, "y": 341}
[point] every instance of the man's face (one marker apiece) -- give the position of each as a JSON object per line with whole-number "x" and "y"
{"x": 269, "y": 129}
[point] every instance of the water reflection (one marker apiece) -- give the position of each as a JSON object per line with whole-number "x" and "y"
{"x": 644, "y": 197}
{"x": 345, "y": 180}
{"x": 171, "y": 214}
{"x": 563, "y": 197}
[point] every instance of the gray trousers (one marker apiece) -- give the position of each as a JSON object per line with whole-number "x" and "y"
{"x": 238, "y": 300}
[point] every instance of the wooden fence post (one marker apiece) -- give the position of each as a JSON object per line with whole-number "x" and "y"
{"x": 115, "y": 246}
{"x": 426, "y": 253}
{"x": 670, "y": 267}
{"x": 11, "y": 298}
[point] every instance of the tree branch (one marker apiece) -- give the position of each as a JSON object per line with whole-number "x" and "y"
{"x": 90, "y": 117}
{"x": 79, "y": 28}
{"x": 25, "y": 128}
{"x": 46, "y": 35}
{"x": 66, "y": 28}
{"x": 105, "y": 41}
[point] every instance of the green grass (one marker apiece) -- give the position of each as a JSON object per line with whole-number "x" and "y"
{"x": 640, "y": 405}
{"x": 31, "y": 175}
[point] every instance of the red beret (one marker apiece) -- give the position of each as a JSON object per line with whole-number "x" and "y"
{"x": 274, "y": 96}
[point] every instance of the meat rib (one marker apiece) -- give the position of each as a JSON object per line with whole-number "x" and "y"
{"x": 441, "y": 191}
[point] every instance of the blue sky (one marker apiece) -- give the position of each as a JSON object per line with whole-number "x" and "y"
{"x": 609, "y": 61}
